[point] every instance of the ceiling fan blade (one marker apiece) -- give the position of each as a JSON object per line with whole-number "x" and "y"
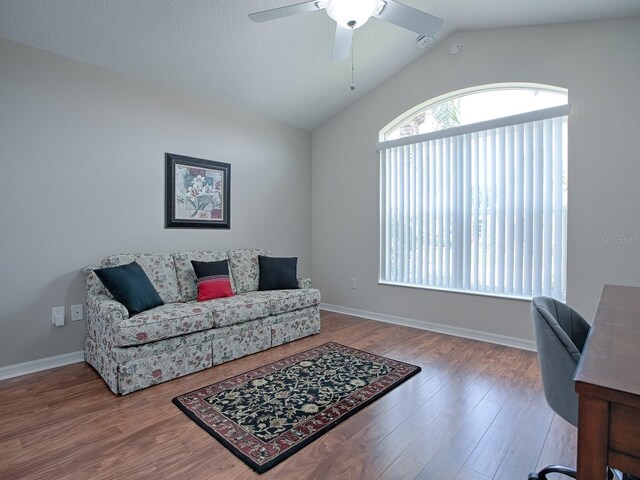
{"x": 341, "y": 43}
{"x": 286, "y": 11}
{"x": 410, "y": 18}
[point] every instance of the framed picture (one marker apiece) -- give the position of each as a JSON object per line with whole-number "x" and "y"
{"x": 197, "y": 193}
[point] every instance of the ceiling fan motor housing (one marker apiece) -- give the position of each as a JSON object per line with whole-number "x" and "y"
{"x": 351, "y": 13}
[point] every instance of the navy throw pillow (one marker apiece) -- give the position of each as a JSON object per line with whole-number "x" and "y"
{"x": 277, "y": 273}
{"x": 130, "y": 286}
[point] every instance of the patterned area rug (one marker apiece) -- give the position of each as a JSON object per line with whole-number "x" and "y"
{"x": 266, "y": 415}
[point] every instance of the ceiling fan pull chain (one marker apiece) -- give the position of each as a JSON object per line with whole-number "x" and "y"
{"x": 353, "y": 85}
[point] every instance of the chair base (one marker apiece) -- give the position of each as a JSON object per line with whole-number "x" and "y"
{"x": 542, "y": 474}
{"x": 618, "y": 475}
{"x": 570, "y": 472}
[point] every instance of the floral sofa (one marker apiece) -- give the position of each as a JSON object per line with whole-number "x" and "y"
{"x": 184, "y": 336}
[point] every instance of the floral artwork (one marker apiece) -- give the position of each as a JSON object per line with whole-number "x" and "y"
{"x": 197, "y": 192}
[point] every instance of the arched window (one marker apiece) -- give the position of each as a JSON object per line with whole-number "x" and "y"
{"x": 473, "y": 192}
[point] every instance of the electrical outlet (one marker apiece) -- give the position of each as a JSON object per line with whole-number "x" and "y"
{"x": 76, "y": 312}
{"x": 57, "y": 316}
{"x": 353, "y": 283}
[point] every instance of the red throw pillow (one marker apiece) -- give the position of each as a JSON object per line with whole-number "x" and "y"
{"x": 213, "y": 280}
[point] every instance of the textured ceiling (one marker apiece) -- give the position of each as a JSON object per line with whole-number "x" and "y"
{"x": 280, "y": 69}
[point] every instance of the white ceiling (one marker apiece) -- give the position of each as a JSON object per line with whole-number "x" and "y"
{"x": 280, "y": 69}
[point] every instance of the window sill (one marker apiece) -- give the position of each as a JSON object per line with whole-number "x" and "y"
{"x": 465, "y": 292}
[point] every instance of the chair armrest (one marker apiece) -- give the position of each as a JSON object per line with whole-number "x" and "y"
{"x": 304, "y": 282}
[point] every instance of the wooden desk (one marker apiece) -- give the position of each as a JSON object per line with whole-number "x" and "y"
{"x": 608, "y": 385}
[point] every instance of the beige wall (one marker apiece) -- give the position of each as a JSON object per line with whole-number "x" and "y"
{"x": 598, "y": 62}
{"x": 82, "y": 176}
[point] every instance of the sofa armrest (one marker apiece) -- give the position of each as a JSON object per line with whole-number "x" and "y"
{"x": 89, "y": 268}
{"x": 105, "y": 307}
{"x": 93, "y": 283}
{"x": 304, "y": 282}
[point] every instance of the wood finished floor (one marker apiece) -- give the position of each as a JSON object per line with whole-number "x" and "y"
{"x": 475, "y": 412}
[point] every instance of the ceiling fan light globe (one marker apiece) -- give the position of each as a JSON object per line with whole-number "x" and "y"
{"x": 351, "y": 13}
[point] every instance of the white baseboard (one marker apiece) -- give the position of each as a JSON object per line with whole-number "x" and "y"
{"x": 33, "y": 366}
{"x": 436, "y": 327}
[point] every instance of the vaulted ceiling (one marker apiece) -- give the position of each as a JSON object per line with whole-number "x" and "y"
{"x": 209, "y": 49}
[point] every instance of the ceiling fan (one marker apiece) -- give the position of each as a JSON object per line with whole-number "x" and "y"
{"x": 351, "y": 14}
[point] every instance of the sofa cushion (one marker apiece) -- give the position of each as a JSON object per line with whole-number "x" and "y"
{"x": 132, "y": 352}
{"x": 277, "y": 273}
{"x": 165, "y": 321}
{"x": 281, "y": 301}
{"x": 184, "y": 270}
{"x": 159, "y": 267}
{"x": 244, "y": 269}
{"x": 130, "y": 286}
{"x": 213, "y": 279}
{"x": 238, "y": 309}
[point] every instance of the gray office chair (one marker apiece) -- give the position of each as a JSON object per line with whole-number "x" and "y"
{"x": 560, "y": 336}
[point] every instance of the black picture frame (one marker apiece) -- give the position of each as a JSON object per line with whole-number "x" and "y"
{"x": 197, "y": 193}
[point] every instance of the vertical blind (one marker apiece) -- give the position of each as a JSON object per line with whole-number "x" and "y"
{"x": 479, "y": 208}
